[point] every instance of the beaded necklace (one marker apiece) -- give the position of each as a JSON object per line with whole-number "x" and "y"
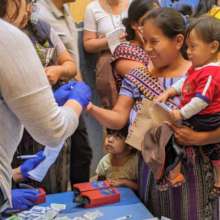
{"x": 111, "y": 14}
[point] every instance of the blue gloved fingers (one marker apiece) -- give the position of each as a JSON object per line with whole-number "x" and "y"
{"x": 28, "y": 202}
{"x": 72, "y": 83}
{"x": 36, "y": 160}
{"x": 77, "y": 91}
{"x": 61, "y": 94}
{"x": 30, "y": 164}
{"x": 33, "y": 191}
{"x": 24, "y": 198}
{"x": 81, "y": 93}
{"x": 23, "y": 207}
{"x": 68, "y": 86}
{"x": 40, "y": 153}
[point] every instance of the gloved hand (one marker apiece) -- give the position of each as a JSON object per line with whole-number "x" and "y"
{"x": 81, "y": 93}
{"x": 24, "y": 198}
{"x": 30, "y": 164}
{"x": 61, "y": 94}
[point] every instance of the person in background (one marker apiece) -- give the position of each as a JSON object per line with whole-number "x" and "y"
{"x": 205, "y": 6}
{"x": 214, "y": 9}
{"x": 101, "y": 18}
{"x": 25, "y": 99}
{"x": 132, "y": 50}
{"x": 57, "y": 14}
{"x": 186, "y": 7}
{"x": 120, "y": 164}
{"x": 59, "y": 67}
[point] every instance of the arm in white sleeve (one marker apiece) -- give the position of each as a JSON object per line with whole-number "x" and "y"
{"x": 178, "y": 85}
{"x": 89, "y": 19}
{"x": 195, "y": 106}
{"x": 26, "y": 91}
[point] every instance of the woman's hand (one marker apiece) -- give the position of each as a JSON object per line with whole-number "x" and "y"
{"x": 187, "y": 136}
{"x": 54, "y": 73}
{"x": 176, "y": 115}
{"x": 163, "y": 97}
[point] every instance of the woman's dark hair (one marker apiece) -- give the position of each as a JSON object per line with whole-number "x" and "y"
{"x": 204, "y": 6}
{"x": 137, "y": 9}
{"x": 3, "y": 4}
{"x": 169, "y": 21}
{"x": 207, "y": 27}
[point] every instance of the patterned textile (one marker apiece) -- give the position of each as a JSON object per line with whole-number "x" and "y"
{"x": 188, "y": 202}
{"x": 131, "y": 52}
{"x": 147, "y": 84}
{"x": 191, "y": 200}
{"x": 139, "y": 83}
{"x": 128, "y": 51}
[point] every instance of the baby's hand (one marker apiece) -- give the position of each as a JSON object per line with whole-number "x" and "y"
{"x": 162, "y": 97}
{"x": 176, "y": 115}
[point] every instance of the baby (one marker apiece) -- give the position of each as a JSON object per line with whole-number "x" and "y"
{"x": 200, "y": 90}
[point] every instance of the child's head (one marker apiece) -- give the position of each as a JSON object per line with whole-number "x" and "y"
{"x": 114, "y": 142}
{"x": 203, "y": 40}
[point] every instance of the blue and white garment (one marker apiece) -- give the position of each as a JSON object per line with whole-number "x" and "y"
{"x": 179, "y": 4}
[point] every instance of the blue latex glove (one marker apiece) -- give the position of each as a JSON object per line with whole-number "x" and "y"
{"x": 24, "y": 198}
{"x": 30, "y": 164}
{"x": 81, "y": 93}
{"x": 61, "y": 94}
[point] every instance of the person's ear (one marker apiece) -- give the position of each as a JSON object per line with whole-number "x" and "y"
{"x": 179, "y": 41}
{"x": 214, "y": 45}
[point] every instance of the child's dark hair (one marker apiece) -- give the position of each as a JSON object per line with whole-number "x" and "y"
{"x": 169, "y": 21}
{"x": 3, "y": 4}
{"x": 137, "y": 9}
{"x": 207, "y": 27}
{"x": 122, "y": 132}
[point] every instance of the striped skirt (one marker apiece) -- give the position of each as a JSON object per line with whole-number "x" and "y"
{"x": 188, "y": 202}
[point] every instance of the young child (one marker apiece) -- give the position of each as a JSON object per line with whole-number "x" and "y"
{"x": 200, "y": 90}
{"x": 120, "y": 164}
